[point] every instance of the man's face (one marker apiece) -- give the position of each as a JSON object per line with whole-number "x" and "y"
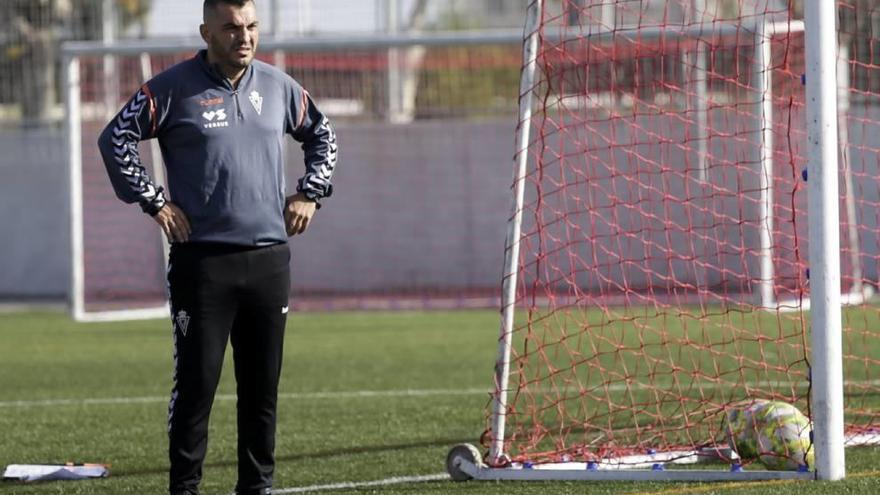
{"x": 231, "y": 34}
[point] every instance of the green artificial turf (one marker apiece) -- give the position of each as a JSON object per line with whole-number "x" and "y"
{"x": 365, "y": 396}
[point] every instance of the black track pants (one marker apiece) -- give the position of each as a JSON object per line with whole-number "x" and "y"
{"x": 219, "y": 293}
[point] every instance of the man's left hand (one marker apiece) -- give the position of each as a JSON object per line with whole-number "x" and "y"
{"x": 298, "y": 213}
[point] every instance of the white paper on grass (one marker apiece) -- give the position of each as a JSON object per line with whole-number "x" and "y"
{"x": 46, "y": 472}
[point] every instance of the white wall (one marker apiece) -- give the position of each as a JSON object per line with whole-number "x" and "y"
{"x": 34, "y": 222}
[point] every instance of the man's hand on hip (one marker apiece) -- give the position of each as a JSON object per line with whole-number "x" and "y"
{"x": 298, "y": 213}
{"x": 174, "y": 223}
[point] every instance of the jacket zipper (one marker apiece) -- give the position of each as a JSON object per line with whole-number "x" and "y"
{"x": 237, "y": 105}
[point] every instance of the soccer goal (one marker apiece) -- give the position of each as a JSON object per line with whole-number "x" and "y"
{"x": 420, "y": 117}
{"x": 675, "y": 247}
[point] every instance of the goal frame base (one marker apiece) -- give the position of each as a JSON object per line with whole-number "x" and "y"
{"x": 556, "y": 473}
{"x": 464, "y": 462}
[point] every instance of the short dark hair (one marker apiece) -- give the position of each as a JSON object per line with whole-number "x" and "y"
{"x": 214, "y": 3}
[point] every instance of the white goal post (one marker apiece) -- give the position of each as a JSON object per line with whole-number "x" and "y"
{"x": 824, "y": 214}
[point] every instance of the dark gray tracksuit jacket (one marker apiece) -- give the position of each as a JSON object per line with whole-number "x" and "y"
{"x": 222, "y": 149}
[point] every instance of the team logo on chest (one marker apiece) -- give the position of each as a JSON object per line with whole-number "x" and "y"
{"x": 215, "y": 118}
{"x": 257, "y": 102}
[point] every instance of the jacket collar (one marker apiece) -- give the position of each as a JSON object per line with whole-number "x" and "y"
{"x": 215, "y": 75}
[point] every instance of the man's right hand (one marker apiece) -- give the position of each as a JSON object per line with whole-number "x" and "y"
{"x": 173, "y": 222}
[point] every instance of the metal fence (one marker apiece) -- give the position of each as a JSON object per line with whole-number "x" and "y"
{"x": 32, "y": 31}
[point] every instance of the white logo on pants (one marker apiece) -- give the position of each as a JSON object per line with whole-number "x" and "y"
{"x": 182, "y": 320}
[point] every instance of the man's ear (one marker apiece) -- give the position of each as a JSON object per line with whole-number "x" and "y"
{"x": 203, "y": 30}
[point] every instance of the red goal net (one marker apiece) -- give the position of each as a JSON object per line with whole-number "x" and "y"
{"x": 663, "y": 275}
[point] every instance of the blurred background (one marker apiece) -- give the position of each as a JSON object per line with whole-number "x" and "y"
{"x": 439, "y": 121}
{"x": 426, "y": 134}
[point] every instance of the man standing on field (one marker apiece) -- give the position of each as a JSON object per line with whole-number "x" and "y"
{"x": 220, "y": 118}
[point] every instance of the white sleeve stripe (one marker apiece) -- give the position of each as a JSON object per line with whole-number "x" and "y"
{"x": 125, "y": 149}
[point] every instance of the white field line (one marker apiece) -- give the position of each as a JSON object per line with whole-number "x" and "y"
{"x": 349, "y": 485}
{"x": 231, "y": 397}
{"x": 356, "y": 394}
